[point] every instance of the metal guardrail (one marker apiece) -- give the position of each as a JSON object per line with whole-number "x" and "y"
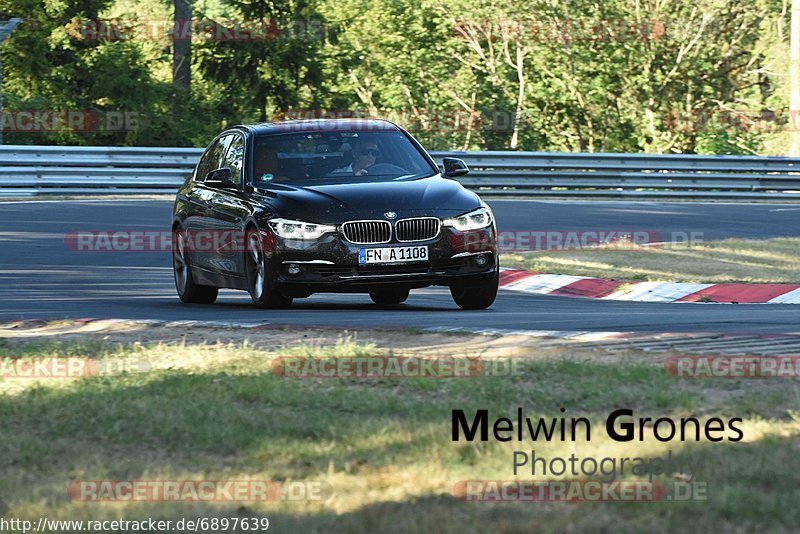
{"x": 49, "y": 170}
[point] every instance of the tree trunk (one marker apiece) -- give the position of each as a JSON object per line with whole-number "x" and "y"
{"x": 182, "y": 45}
{"x": 520, "y": 96}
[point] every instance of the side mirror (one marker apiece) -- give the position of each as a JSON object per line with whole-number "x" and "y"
{"x": 454, "y": 167}
{"x": 222, "y": 178}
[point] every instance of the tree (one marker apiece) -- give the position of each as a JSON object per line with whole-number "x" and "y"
{"x": 794, "y": 75}
{"x": 182, "y": 45}
{"x": 274, "y": 66}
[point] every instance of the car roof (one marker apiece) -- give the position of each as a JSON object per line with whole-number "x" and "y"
{"x": 320, "y": 125}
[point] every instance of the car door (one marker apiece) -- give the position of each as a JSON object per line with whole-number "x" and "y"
{"x": 200, "y": 224}
{"x": 229, "y": 211}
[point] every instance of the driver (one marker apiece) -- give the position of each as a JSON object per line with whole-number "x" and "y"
{"x": 365, "y": 153}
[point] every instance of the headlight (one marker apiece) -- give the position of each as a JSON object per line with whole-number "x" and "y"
{"x": 474, "y": 220}
{"x": 299, "y": 230}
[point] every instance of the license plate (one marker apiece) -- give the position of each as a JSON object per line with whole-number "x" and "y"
{"x": 367, "y": 256}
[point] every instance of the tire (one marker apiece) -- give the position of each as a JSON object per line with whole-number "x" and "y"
{"x": 476, "y": 297}
{"x": 386, "y": 297}
{"x": 188, "y": 291}
{"x": 261, "y": 285}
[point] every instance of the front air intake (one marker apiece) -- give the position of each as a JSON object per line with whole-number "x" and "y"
{"x": 367, "y": 232}
{"x": 418, "y": 229}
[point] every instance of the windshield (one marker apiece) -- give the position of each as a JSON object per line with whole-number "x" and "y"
{"x": 335, "y": 157}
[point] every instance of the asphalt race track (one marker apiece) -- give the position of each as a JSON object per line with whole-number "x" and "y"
{"x": 41, "y": 278}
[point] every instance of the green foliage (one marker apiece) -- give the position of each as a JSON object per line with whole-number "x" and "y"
{"x": 597, "y": 75}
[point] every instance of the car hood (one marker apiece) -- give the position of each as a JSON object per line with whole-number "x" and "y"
{"x": 335, "y": 203}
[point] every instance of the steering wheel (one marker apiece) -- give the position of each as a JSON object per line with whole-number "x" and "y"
{"x": 386, "y": 168}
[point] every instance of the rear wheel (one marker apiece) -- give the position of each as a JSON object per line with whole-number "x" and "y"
{"x": 389, "y": 296}
{"x": 188, "y": 291}
{"x": 261, "y": 286}
{"x": 476, "y": 296}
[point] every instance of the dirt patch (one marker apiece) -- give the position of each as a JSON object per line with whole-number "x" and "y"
{"x": 277, "y": 338}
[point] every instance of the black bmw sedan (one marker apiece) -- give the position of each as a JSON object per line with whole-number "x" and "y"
{"x": 285, "y": 210}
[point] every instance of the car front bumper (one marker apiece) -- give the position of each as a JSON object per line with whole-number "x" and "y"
{"x": 330, "y": 264}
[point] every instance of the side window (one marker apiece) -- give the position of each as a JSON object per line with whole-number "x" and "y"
{"x": 205, "y": 164}
{"x": 234, "y": 158}
{"x": 212, "y": 158}
{"x": 224, "y": 143}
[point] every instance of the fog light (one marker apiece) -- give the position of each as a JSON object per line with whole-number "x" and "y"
{"x": 293, "y": 269}
{"x": 481, "y": 260}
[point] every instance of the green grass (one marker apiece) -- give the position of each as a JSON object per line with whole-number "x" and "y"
{"x": 218, "y": 412}
{"x": 774, "y": 260}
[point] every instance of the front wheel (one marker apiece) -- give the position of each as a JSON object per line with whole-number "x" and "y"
{"x": 261, "y": 286}
{"x": 188, "y": 291}
{"x": 477, "y": 296}
{"x": 389, "y": 296}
